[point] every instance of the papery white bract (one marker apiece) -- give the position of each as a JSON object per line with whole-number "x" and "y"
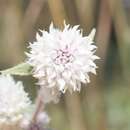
{"x": 62, "y": 59}
{"x": 14, "y": 101}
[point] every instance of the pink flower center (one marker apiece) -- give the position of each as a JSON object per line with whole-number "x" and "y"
{"x": 63, "y": 56}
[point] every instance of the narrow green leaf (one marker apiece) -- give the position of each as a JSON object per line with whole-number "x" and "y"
{"x": 22, "y": 69}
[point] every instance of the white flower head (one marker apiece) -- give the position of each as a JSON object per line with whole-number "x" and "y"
{"x": 14, "y": 101}
{"x": 63, "y": 59}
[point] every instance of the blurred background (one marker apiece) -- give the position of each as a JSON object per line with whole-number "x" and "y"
{"x": 104, "y": 104}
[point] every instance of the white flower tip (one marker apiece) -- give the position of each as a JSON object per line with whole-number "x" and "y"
{"x": 61, "y": 83}
{"x": 64, "y": 22}
{"x": 92, "y": 33}
{"x": 43, "y": 118}
{"x": 38, "y": 36}
{"x": 24, "y": 124}
{"x": 51, "y": 26}
{"x": 40, "y": 30}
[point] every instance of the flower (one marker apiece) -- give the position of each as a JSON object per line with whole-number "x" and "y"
{"x": 63, "y": 59}
{"x": 42, "y": 120}
{"x": 14, "y": 101}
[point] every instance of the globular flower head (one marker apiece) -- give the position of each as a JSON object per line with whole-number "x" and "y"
{"x": 63, "y": 59}
{"x": 14, "y": 101}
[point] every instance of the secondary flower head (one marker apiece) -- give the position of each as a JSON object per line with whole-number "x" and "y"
{"x": 14, "y": 101}
{"x": 63, "y": 59}
{"x": 41, "y": 121}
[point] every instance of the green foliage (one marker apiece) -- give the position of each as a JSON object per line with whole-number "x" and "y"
{"x": 22, "y": 69}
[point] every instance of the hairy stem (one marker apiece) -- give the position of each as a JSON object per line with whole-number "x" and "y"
{"x": 39, "y": 108}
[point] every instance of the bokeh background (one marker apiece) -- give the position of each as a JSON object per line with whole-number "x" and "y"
{"x": 104, "y": 104}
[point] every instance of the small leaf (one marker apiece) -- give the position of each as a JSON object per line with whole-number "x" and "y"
{"x": 22, "y": 69}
